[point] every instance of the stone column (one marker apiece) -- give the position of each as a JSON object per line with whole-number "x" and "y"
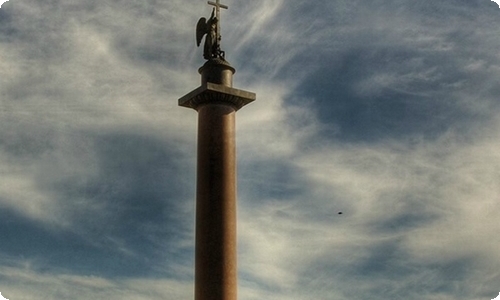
{"x": 216, "y": 102}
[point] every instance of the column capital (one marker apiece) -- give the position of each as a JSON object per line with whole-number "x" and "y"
{"x": 212, "y": 93}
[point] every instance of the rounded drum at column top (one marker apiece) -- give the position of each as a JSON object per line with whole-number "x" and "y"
{"x": 217, "y": 71}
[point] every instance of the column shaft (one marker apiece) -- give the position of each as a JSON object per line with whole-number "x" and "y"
{"x": 216, "y": 272}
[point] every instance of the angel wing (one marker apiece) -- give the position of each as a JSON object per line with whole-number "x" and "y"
{"x": 201, "y": 30}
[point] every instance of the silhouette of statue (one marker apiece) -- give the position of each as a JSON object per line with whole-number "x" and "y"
{"x": 212, "y": 47}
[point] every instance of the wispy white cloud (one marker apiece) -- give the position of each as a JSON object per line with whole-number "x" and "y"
{"x": 35, "y": 285}
{"x": 437, "y": 201}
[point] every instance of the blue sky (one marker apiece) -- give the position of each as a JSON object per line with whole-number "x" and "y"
{"x": 385, "y": 110}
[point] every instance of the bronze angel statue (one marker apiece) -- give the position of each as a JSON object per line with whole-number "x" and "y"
{"x": 212, "y": 45}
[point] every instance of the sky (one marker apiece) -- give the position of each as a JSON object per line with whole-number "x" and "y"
{"x": 385, "y": 110}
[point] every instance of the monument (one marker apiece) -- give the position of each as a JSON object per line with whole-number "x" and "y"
{"x": 216, "y": 102}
